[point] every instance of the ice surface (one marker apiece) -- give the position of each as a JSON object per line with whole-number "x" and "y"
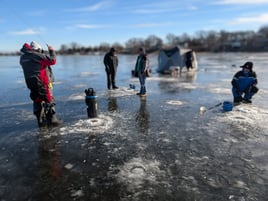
{"x": 157, "y": 148}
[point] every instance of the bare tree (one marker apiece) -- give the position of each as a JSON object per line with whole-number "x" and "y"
{"x": 202, "y": 41}
{"x": 118, "y": 47}
{"x": 173, "y": 40}
{"x": 133, "y": 44}
{"x": 104, "y": 47}
{"x": 153, "y": 43}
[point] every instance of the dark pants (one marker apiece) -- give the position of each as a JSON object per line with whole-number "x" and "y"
{"x": 43, "y": 105}
{"x": 142, "y": 79}
{"x": 247, "y": 93}
{"x": 39, "y": 91}
{"x": 110, "y": 79}
{"x": 189, "y": 64}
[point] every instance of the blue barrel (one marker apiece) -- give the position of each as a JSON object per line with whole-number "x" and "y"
{"x": 91, "y": 102}
{"x": 227, "y": 106}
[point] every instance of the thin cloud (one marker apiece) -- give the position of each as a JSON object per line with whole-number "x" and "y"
{"x": 25, "y": 32}
{"x": 142, "y": 25}
{"x": 162, "y": 7}
{"x": 90, "y": 26}
{"x": 149, "y": 25}
{"x": 95, "y": 7}
{"x": 193, "y": 8}
{"x": 260, "y": 19}
{"x": 152, "y": 11}
{"x": 242, "y": 2}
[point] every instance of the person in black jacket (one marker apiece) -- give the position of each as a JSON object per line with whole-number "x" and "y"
{"x": 141, "y": 68}
{"x": 39, "y": 77}
{"x": 189, "y": 60}
{"x": 244, "y": 84}
{"x": 111, "y": 63}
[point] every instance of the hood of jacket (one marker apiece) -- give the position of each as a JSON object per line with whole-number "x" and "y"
{"x": 26, "y": 48}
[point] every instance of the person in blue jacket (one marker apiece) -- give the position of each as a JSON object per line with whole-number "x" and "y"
{"x": 244, "y": 84}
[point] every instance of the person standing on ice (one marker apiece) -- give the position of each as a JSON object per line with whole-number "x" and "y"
{"x": 38, "y": 77}
{"x": 244, "y": 84}
{"x": 141, "y": 68}
{"x": 111, "y": 63}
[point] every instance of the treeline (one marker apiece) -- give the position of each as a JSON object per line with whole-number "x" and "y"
{"x": 209, "y": 41}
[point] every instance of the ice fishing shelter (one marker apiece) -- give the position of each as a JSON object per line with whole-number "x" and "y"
{"x": 176, "y": 58}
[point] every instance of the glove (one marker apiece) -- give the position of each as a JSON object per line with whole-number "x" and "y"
{"x": 254, "y": 89}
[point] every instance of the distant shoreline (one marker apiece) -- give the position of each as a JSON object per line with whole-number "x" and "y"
{"x": 124, "y": 53}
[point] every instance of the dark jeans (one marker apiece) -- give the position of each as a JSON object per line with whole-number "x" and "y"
{"x": 248, "y": 93}
{"x": 110, "y": 79}
{"x": 142, "y": 79}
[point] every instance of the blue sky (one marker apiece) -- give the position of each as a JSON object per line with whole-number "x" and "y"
{"x": 91, "y": 22}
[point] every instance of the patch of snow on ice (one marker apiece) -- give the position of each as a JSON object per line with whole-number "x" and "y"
{"x": 247, "y": 114}
{"x": 220, "y": 90}
{"x": 139, "y": 172}
{"x": 76, "y": 97}
{"x": 86, "y": 74}
{"x": 175, "y": 102}
{"x": 122, "y": 91}
{"x": 96, "y": 125}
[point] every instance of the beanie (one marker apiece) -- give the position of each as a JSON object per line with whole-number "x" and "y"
{"x": 142, "y": 49}
{"x": 35, "y": 46}
{"x": 248, "y": 64}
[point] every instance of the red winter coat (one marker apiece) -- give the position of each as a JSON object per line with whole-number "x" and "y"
{"x": 35, "y": 68}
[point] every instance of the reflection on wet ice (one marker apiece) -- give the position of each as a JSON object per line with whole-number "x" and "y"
{"x": 142, "y": 117}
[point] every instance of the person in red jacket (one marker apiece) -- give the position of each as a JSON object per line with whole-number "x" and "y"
{"x": 38, "y": 77}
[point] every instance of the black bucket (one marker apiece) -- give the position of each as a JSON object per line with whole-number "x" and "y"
{"x": 92, "y": 103}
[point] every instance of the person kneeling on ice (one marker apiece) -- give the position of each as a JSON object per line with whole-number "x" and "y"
{"x": 38, "y": 77}
{"x": 244, "y": 84}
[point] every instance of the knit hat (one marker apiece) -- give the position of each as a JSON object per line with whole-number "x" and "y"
{"x": 248, "y": 64}
{"x": 142, "y": 49}
{"x": 35, "y": 46}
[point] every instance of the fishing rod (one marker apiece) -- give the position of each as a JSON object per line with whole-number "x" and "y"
{"x": 217, "y": 105}
{"x": 203, "y": 109}
{"x": 26, "y": 23}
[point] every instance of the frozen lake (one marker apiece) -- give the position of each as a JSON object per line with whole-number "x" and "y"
{"x": 157, "y": 148}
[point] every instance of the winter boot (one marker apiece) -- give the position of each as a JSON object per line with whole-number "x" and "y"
{"x": 51, "y": 117}
{"x": 237, "y": 100}
{"x": 55, "y": 121}
{"x": 39, "y": 112}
